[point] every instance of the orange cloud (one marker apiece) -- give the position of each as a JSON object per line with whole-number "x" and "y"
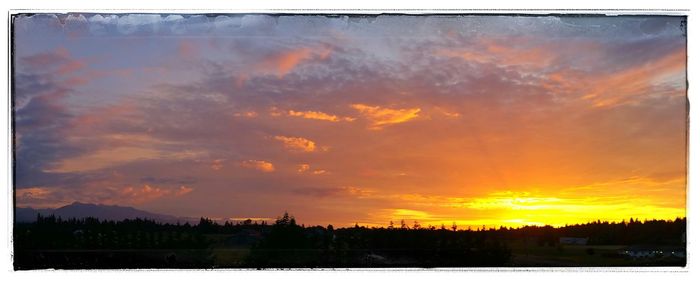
{"x": 100, "y": 116}
{"x": 317, "y": 115}
{"x": 511, "y": 52}
{"x": 259, "y": 165}
{"x": 448, "y": 114}
{"x": 380, "y": 117}
{"x": 143, "y": 194}
{"x": 247, "y": 114}
{"x": 303, "y": 168}
{"x": 96, "y": 192}
{"x": 284, "y": 62}
{"x": 358, "y": 191}
{"x": 463, "y": 54}
{"x": 183, "y": 190}
{"x": 33, "y": 192}
{"x": 275, "y": 112}
{"x": 506, "y": 53}
{"x": 217, "y": 164}
{"x": 147, "y": 193}
{"x": 39, "y": 197}
{"x": 121, "y": 149}
{"x": 624, "y": 86}
{"x": 104, "y": 158}
{"x": 297, "y": 143}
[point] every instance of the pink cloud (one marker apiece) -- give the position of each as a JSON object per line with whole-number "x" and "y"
{"x": 187, "y": 49}
{"x": 58, "y": 60}
{"x": 624, "y": 86}
{"x": 147, "y": 193}
{"x": 183, "y": 190}
{"x": 71, "y": 66}
{"x": 217, "y": 164}
{"x": 39, "y": 197}
{"x": 284, "y": 62}
{"x": 97, "y": 193}
{"x": 523, "y": 52}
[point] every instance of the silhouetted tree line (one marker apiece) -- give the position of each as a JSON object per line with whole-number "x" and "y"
{"x": 52, "y": 242}
{"x": 290, "y": 245}
{"x": 634, "y": 231}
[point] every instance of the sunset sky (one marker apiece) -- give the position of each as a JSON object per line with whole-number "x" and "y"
{"x": 480, "y": 120}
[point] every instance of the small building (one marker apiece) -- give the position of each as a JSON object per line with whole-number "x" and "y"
{"x": 652, "y": 251}
{"x": 573, "y": 240}
{"x": 374, "y": 259}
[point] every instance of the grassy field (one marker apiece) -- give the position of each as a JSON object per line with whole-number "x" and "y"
{"x": 531, "y": 254}
{"x": 227, "y": 255}
{"x": 523, "y": 255}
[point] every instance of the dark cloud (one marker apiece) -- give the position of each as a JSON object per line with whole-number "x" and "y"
{"x": 39, "y": 124}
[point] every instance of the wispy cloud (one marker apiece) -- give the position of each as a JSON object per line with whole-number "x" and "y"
{"x": 247, "y": 114}
{"x": 147, "y": 193}
{"x": 39, "y": 197}
{"x": 46, "y": 197}
{"x": 285, "y": 61}
{"x": 297, "y": 143}
{"x": 317, "y": 115}
{"x": 217, "y": 164}
{"x": 306, "y": 169}
{"x": 119, "y": 155}
{"x": 380, "y": 117}
{"x": 303, "y": 168}
{"x": 259, "y": 165}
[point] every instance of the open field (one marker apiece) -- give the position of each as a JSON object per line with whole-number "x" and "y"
{"x": 576, "y": 256}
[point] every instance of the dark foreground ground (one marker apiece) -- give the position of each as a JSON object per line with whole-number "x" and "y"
{"x": 90, "y": 244}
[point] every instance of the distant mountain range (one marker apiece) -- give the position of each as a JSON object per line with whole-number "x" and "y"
{"x": 102, "y": 212}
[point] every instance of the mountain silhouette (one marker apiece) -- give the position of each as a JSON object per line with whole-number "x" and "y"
{"x": 103, "y": 212}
